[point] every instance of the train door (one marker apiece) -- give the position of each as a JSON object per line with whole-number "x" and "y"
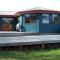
{"x": 31, "y": 23}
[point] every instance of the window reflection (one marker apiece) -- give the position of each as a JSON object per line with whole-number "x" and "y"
{"x": 55, "y": 19}
{"x": 30, "y": 18}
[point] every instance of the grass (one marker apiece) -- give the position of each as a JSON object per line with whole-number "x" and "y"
{"x": 52, "y": 54}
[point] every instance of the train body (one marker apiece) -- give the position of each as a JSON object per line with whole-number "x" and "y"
{"x": 25, "y": 27}
{"x": 41, "y": 21}
{"x": 34, "y": 21}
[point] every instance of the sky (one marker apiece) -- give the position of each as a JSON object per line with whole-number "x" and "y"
{"x": 18, "y": 5}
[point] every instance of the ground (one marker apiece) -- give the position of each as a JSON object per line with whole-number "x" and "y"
{"x": 49, "y": 54}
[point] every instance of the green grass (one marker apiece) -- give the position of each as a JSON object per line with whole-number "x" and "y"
{"x": 53, "y": 54}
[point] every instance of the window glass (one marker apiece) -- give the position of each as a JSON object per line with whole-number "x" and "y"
{"x": 55, "y": 18}
{"x": 30, "y": 18}
{"x": 7, "y": 19}
{"x": 45, "y": 18}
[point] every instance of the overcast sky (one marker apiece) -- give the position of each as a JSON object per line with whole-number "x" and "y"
{"x": 17, "y": 5}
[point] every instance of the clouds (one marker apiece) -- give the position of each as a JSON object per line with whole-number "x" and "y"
{"x": 17, "y": 5}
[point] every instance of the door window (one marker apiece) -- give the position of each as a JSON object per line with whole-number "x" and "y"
{"x": 30, "y": 18}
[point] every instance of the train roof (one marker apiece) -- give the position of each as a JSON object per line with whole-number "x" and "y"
{"x": 7, "y": 13}
{"x": 38, "y": 10}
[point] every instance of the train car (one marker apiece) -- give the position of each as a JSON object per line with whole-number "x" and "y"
{"x": 41, "y": 21}
{"x": 8, "y": 21}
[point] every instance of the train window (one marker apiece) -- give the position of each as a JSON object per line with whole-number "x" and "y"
{"x": 27, "y": 18}
{"x": 7, "y": 19}
{"x": 8, "y": 24}
{"x": 45, "y": 18}
{"x": 30, "y": 18}
{"x": 33, "y": 16}
{"x": 55, "y": 19}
